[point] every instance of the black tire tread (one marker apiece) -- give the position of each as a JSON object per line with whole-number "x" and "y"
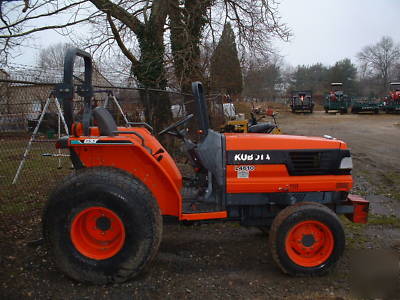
{"x": 280, "y": 218}
{"x": 121, "y": 179}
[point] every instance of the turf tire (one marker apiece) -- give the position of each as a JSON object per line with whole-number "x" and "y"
{"x": 287, "y": 219}
{"x": 119, "y": 192}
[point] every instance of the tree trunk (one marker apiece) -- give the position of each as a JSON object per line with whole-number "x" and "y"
{"x": 186, "y": 24}
{"x": 150, "y": 73}
{"x": 149, "y": 68}
{"x": 186, "y": 31}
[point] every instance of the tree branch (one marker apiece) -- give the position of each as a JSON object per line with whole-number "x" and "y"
{"x": 42, "y": 15}
{"x": 120, "y": 43}
{"x": 120, "y": 14}
{"x": 44, "y": 28}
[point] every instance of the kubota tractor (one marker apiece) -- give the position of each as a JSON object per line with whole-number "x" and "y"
{"x": 104, "y": 223}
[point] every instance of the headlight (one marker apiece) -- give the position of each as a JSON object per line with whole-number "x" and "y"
{"x": 346, "y": 163}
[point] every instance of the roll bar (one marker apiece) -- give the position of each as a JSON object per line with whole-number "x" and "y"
{"x": 201, "y": 106}
{"x": 65, "y": 90}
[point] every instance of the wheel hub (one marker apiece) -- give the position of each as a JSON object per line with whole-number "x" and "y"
{"x": 309, "y": 243}
{"x": 97, "y": 233}
{"x": 308, "y": 240}
{"x": 103, "y": 223}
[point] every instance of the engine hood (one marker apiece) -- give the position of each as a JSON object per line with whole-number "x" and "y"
{"x": 262, "y": 141}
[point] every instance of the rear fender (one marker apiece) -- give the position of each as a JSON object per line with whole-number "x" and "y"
{"x": 136, "y": 160}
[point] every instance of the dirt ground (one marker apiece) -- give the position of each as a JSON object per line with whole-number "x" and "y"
{"x": 225, "y": 260}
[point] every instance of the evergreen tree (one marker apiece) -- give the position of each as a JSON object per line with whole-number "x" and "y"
{"x": 344, "y": 71}
{"x": 225, "y": 71}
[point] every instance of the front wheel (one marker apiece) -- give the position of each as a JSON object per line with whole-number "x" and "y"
{"x": 102, "y": 226}
{"x": 306, "y": 239}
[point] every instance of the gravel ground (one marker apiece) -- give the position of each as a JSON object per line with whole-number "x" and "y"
{"x": 225, "y": 260}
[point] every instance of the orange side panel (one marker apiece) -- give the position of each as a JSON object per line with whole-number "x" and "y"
{"x": 161, "y": 177}
{"x": 205, "y": 216}
{"x": 275, "y": 178}
{"x": 261, "y": 141}
{"x": 167, "y": 162}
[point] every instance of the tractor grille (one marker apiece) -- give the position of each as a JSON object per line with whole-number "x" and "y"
{"x": 314, "y": 163}
{"x": 298, "y": 162}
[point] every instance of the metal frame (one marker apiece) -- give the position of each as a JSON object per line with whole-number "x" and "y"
{"x": 35, "y": 131}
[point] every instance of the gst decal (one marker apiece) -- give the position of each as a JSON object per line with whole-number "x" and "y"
{"x": 90, "y": 141}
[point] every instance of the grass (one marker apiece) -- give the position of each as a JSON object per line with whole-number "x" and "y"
{"x": 355, "y": 237}
{"x": 392, "y": 221}
{"x": 390, "y": 184}
{"x": 37, "y": 177}
{"x": 385, "y": 183}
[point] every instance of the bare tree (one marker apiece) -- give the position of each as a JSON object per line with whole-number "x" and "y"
{"x": 139, "y": 29}
{"x": 255, "y": 23}
{"x": 380, "y": 59}
{"x": 52, "y": 57}
{"x": 121, "y": 22}
{"x": 19, "y": 20}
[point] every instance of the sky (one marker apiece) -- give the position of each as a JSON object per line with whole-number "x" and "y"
{"x": 330, "y": 30}
{"x": 323, "y": 30}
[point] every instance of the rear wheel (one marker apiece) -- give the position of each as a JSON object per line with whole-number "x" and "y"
{"x": 306, "y": 239}
{"x": 102, "y": 226}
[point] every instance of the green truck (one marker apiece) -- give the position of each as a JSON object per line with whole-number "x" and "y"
{"x": 337, "y": 100}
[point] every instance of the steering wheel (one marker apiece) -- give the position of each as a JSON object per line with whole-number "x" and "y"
{"x": 172, "y": 129}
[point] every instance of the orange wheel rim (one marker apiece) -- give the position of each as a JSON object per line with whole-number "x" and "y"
{"x": 309, "y": 243}
{"x": 97, "y": 233}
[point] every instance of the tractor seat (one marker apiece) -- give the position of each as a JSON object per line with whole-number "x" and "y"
{"x": 104, "y": 121}
{"x": 266, "y": 127}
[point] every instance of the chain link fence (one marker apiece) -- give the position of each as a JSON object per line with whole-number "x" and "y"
{"x": 21, "y": 104}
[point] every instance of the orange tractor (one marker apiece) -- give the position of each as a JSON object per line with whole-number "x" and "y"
{"x": 104, "y": 223}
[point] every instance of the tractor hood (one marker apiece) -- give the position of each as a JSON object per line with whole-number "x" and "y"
{"x": 254, "y": 141}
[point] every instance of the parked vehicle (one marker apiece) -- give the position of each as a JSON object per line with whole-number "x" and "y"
{"x": 239, "y": 124}
{"x": 104, "y": 223}
{"x": 391, "y": 102}
{"x": 337, "y": 100}
{"x": 302, "y": 101}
